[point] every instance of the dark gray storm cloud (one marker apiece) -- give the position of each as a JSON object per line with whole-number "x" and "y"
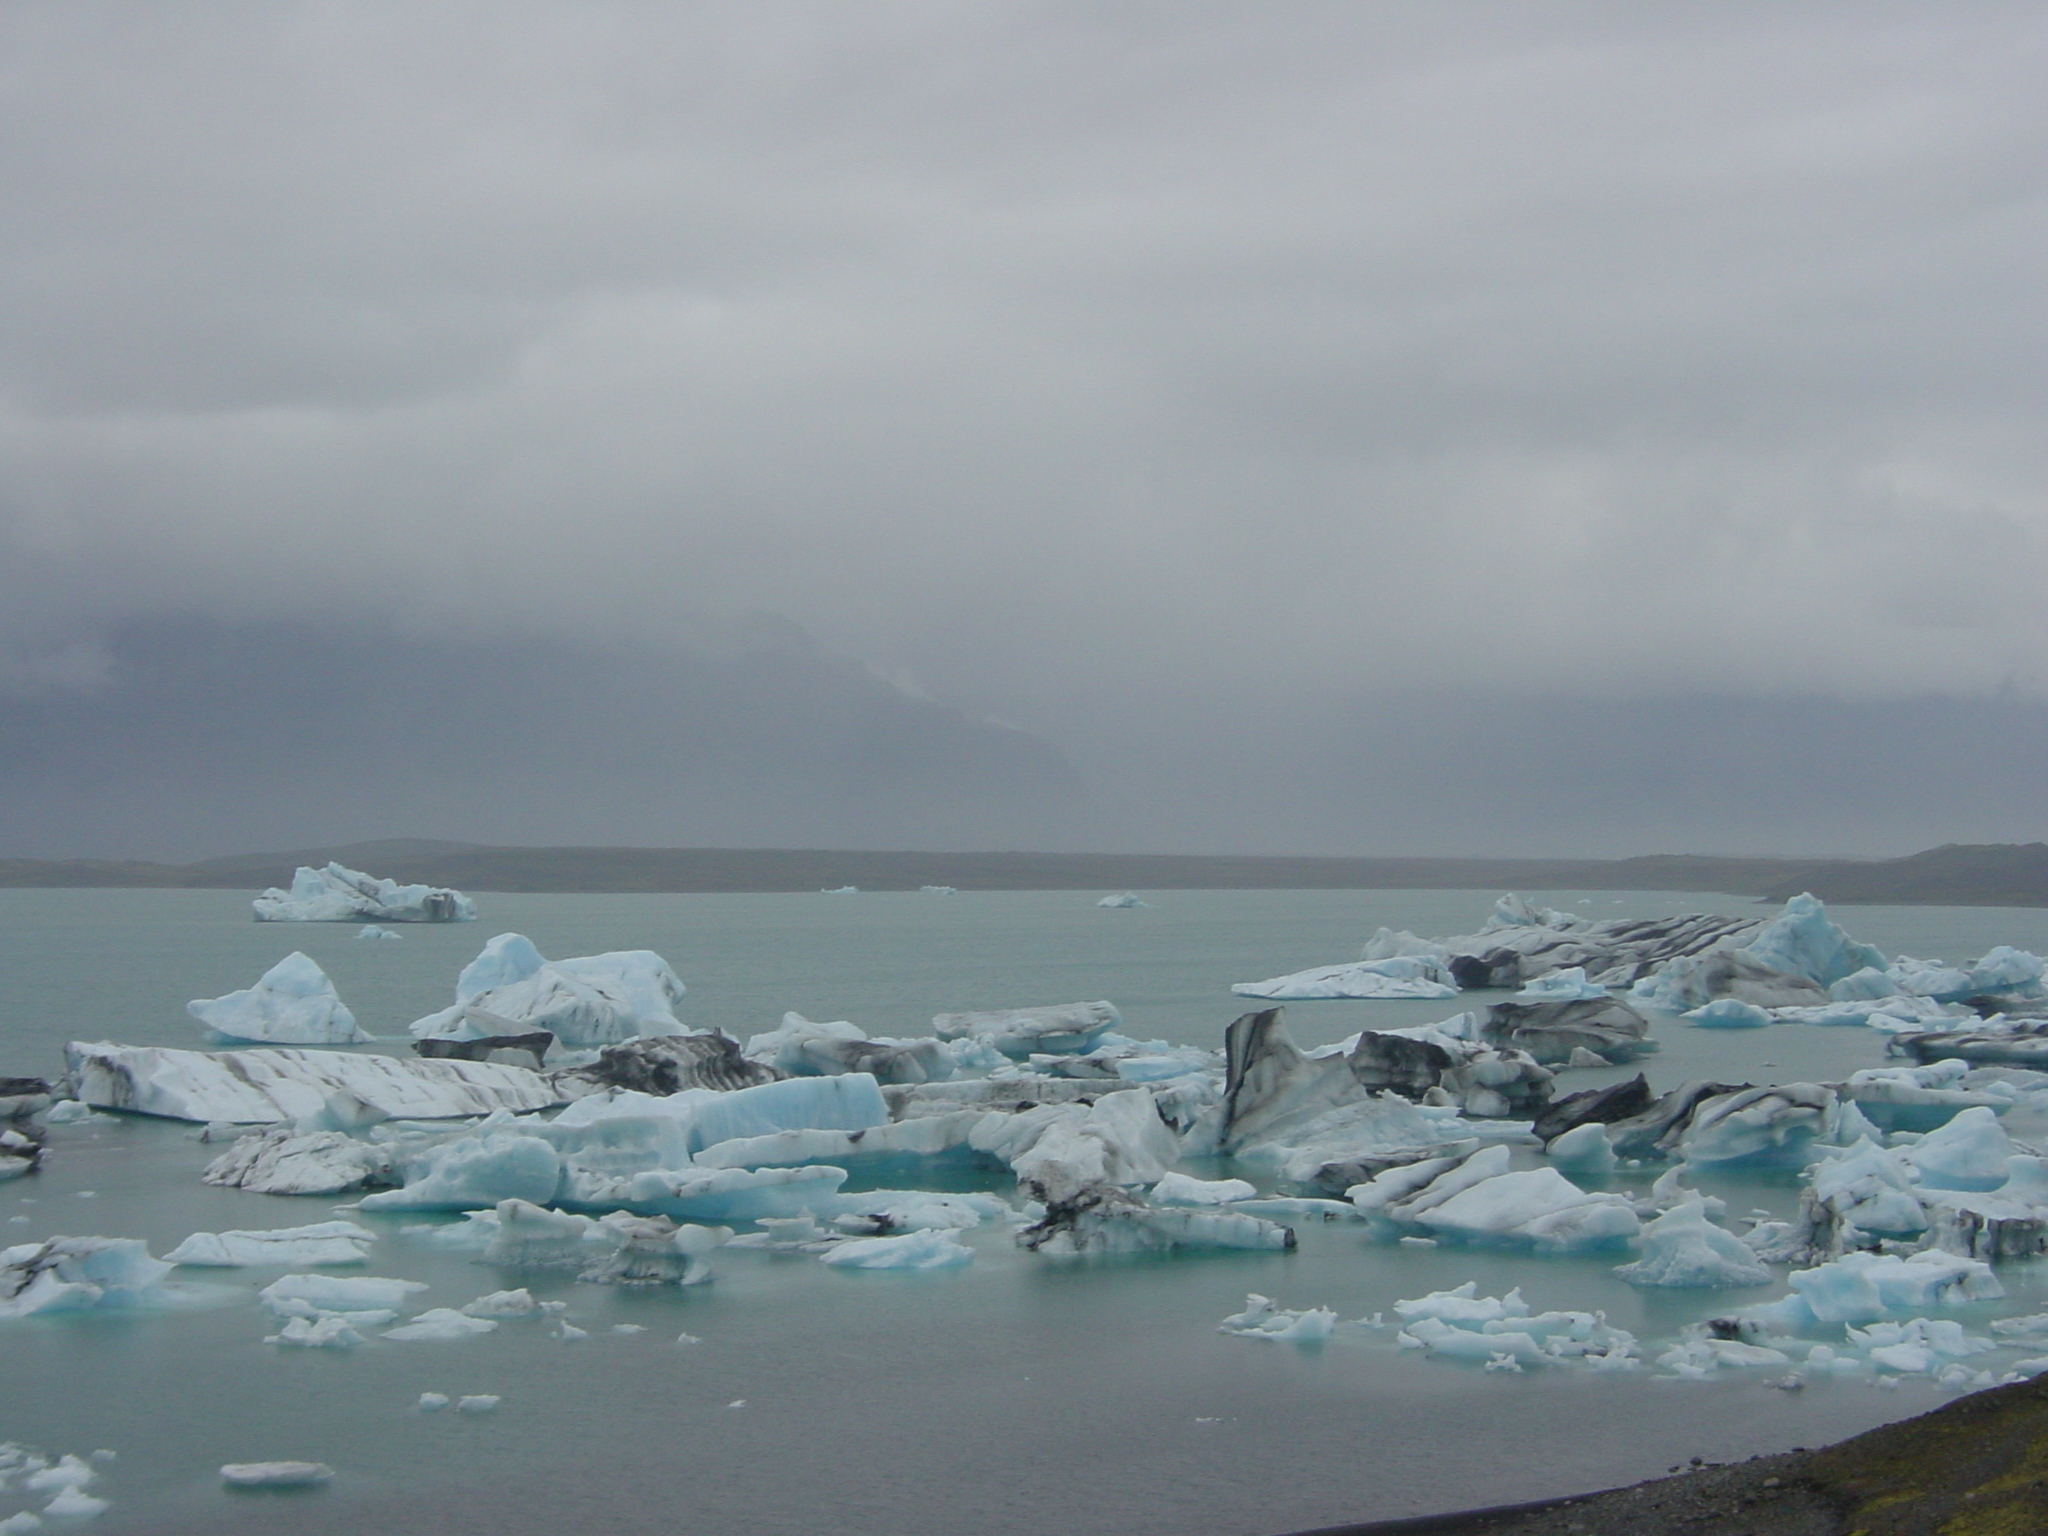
{"x": 1247, "y": 398}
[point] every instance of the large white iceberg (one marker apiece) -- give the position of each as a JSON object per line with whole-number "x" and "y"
{"x": 292, "y": 1003}
{"x": 586, "y": 1001}
{"x": 338, "y": 894}
{"x": 263, "y": 1087}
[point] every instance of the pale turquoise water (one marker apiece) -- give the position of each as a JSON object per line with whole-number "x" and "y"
{"x": 1018, "y": 1395}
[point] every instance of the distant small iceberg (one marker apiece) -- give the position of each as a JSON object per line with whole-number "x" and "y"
{"x": 1124, "y": 901}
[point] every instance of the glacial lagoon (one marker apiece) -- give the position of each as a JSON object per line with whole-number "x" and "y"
{"x": 1019, "y": 1393}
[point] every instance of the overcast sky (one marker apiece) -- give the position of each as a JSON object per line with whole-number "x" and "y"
{"x": 1167, "y": 378}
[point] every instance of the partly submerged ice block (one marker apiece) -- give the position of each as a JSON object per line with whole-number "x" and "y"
{"x": 325, "y": 1242}
{"x": 292, "y": 1003}
{"x": 1501, "y": 1333}
{"x": 260, "y": 1087}
{"x": 338, "y": 894}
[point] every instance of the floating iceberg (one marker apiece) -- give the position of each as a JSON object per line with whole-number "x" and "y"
{"x": 292, "y": 1003}
{"x": 1971, "y": 1152}
{"x": 1060, "y": 1150}
{"x": 372, "y": 931}
{"x": 1866, "y": 1287}
{"x": 68, "y": 1274}
{"x": 652, "y": 1250}
{"x": 1693, "y": 981}
{"x": 931, "y": 1248}
{"x": 939, "y": 890}
{"x": 1922, "y": 1098}
{"x": 1260, "y": 1319}
{"x": 473, "y": 1172}
{"x": 1062, "y": 1029}
{"x": 1683, "y": 1248}
{"x": 889, "y": 1212}
{"x": 276, "y": 1474}
{"x": 1103, "y": 1219}
{"x": 667, "y": 1064}
{"x": 813, "y": 1048}
{"x": 1729, "y": 1013}
{"x": 1801, "y": 941}
{"x": 1179, "y": 1189}
{"x": 441, "y": 1323}
{"x": 326, "y": 1242}
{"x": 1477, "y": 1197}
{"x": 1566, "y": 985}
{"x": 590, "y": 1000}
{"x": 1553, "y": 1030}
{"x": 1125, "y": 902}
{"x": 1521, "y": 940}
{"x": 331, "y": 1332}
{"x": 337, "y": 894}
{"x": 283, "y": 1161}
{"x": 1410, "y": 976}
{"x": 273, "y": 1085}
{"x": 316, "y": 1296}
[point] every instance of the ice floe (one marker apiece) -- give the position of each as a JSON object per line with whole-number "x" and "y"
{"x": 276, "y": 1474}
{"x": 1061, "y": 1029}
{"x": 1682, "y": 1248}
{"x": 1124, "y": 902}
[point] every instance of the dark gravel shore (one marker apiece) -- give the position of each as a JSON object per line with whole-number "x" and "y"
{"x": 1977, "y": 1467}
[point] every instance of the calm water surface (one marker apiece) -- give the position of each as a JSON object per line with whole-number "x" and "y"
{"x": 1017, "y": 1395}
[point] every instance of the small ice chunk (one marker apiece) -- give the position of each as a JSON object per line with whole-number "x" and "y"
{"x": 502, "y": 1304}
{"x": 276, "y": 1474}
{"x": 1126, "y": 901}
{"x": 432, "y": 1402}
{"x": 1260, "y": 1319}
{"x": 478, "y": 1402}
{"x": 314, "y": 1295}
{"x": 334, "y": 1331}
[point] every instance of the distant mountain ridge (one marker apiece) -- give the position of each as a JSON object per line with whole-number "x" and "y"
{"x": 1956, "y": 875}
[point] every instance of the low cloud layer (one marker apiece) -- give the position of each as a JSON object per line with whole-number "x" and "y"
{"x": 1155, "y": 376}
